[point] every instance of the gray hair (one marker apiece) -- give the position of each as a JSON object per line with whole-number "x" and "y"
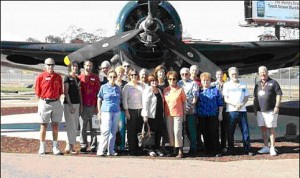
{"x": 194, "y": 67}
{"x": 184, "y": 69}
{"x": 49, "y": 59}
{"x": 262, "y": 68}
{"x": 105, "y": 64}
{"x": 143, "y": 70}
{"x": 233, "y": 68}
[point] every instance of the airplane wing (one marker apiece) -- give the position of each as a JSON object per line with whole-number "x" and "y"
{"x": 247, "y": 56}
{"x": 29, "y": 53}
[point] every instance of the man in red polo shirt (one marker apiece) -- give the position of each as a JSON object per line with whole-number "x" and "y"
{"x": 48, "y": 88}
{"x": 90, "y": 86}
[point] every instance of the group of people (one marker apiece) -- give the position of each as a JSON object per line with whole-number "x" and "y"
{"x": 124, "y": 99}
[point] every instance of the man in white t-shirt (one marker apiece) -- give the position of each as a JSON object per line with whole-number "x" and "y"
{"x": 236, "y": 96}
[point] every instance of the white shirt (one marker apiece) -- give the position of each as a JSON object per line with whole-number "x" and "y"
{"x": 236, "y": 92}
{"x": 132, "y": 96}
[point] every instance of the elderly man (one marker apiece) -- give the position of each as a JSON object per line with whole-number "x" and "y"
{"x": 236, "y": 96}
{"x": 267, "y": 98}
{"x": 127, "y": 67}
{"x": 48, "y": 89}
{"x": 105, "y": 66}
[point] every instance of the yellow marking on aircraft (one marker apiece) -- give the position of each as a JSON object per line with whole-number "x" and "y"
{"x": 67, "y": 60}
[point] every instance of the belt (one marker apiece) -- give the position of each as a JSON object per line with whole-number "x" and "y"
{"x": 48, "y": 100}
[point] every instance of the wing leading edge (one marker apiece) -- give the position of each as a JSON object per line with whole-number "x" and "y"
{"x": 248, "y": 56}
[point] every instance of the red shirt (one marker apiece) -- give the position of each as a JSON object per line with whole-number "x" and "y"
{"x": 90, "y": 86}
{"x": 48, "y": 85}
{"x": 198, "y": 82}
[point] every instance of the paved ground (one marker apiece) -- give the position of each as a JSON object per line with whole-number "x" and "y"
{"x": 16, "y": 124}
{"x": 27, "y": 165}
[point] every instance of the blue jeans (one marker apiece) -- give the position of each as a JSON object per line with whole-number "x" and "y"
{"x": 241, "y": 119}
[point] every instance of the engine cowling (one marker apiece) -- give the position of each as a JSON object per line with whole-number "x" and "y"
{"x": 146, "y": 49}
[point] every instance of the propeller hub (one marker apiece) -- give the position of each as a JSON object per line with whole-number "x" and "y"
{"x": 150, "y": 24}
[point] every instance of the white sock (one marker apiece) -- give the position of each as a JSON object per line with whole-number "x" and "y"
{"x": 42, "y": 144}
{"x": 54, "y": 143}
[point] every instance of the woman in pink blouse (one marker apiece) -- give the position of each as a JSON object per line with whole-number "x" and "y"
{"x": 175, "y": 112}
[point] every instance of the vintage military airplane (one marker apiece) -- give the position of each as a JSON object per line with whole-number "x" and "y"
{"x": 149, "y": 33}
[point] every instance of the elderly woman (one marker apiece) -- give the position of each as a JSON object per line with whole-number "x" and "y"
{"x": 132, "y": 103}
{"x": 109, "y": 99}
{"x": 191, "y": 90}
{"x": 122, "y": 120}
{"x": 209, "y": 109}
{"x": 175, "y": 112}
{"x": 72, "y": 106}
{"x": 152, "y": 112}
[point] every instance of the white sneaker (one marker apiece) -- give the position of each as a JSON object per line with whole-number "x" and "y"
{"x": 42, "y": 149}
{"x": 100, "y": 153}
{"x": 152, "y": 153}
{"x": 273, "y": 151}
{"x": 264, "y": 150}
{"x": 55, "y": 151}
{"x": 112, "y": 154}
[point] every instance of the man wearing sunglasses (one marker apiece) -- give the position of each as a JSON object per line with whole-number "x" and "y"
{"x": 127, "y": 67}
{"x": 48, "y": 89}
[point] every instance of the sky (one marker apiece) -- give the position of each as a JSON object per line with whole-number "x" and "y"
{"x": 200, "y": 19}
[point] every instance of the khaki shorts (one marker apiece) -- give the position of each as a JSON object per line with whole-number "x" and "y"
{"x": 52, "y": 110}
{"x": 267, "y": 119}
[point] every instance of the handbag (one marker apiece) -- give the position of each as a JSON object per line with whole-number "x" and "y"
{"x": 186, "y": 141}
{"x": 95, "y": 122}
{"x": 146, "y": 138}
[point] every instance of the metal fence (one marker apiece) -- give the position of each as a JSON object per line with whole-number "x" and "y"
{"x": 288, "y": 78}
{"x": 18, "y": 78}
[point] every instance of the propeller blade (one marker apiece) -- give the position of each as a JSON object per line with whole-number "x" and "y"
{"x": 95, "y": 49}
{"x": 189, "y": 54}
{"x": 152, "y": 7}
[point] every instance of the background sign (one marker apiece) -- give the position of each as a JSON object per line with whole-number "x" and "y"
{"x": 276, "y": 10}
{"x": 284, "y": 13}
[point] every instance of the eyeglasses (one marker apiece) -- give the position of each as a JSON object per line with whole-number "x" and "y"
{"x": 126, "y": 66}
{"x": 133, "y": 75}
{"x": 112, "y": 76}
{"x": 172, "y": 79}
{"x": 104, "y": 68}
{"x": 184, "y": 74}
{"x": 50, "y": 64}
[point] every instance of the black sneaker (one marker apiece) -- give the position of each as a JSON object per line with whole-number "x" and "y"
{"x": 94, "y": 150}
{"x": 218, "y": 155}
{"x": 82, "y": 150}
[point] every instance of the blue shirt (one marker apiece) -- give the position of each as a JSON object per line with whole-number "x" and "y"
{"x": 191, "y": 90}
{"x": 111, "y": 98}
{"x": 208, "y": 103}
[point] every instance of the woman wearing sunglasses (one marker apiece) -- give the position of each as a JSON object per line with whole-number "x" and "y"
{"x": 175, "y": 99}
{"x": 132, "y": 103}
{"x": 109, "y": 99}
